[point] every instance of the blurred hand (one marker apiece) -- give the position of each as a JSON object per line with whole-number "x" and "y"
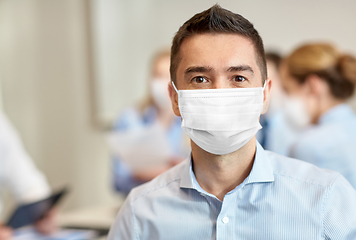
{"x": 5, "y": 232}
{"x": 148, "y": 173}
{"x": 48, "y": 224}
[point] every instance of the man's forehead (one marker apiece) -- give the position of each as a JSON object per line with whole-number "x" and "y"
{"x": 197, "y": 40}
{"x": 208, "y": 49}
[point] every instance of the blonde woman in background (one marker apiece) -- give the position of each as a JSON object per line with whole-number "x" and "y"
{"x": 154, "y": 116}
{"x": 319, "y": 79}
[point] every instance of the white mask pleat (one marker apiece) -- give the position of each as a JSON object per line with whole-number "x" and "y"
{"x": 221, "y": 121}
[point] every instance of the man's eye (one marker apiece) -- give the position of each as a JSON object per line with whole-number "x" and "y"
{"x": 199, "y": 79}
{"x": 239, "y": 79}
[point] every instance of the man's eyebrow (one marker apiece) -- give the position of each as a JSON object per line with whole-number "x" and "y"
{"x": 240, "y": 68}
{"x": 198, "y": 69}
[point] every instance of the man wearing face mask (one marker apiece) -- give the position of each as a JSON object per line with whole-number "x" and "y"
{"x": 230, "y": 187}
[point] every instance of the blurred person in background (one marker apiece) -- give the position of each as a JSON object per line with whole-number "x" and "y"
{"x": 276, "y": 134}
{"x": 21, "y": 177}
{"x": 319, "y": 79}
{"x": 140, "y": 126}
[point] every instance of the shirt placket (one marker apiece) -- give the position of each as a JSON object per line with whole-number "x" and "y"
{"x": 225, "y": 220}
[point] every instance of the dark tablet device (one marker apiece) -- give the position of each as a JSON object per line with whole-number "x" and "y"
{"x": 27, "y": 214}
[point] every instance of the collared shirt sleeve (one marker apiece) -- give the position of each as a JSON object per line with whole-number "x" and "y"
{"x": 340, "y": 211}
{"x": 124, "y": 227}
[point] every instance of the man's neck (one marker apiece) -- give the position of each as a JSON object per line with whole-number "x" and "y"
{"x": 219, "y": 174}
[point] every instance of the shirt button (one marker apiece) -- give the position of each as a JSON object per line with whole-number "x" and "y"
{"x": 225, "y": 220}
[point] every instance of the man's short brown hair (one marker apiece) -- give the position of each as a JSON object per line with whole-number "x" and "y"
{"x": 217, "y": 20}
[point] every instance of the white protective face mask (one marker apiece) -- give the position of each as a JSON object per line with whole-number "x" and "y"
{"x": 296, "y": 112}
{"x": 160, "y": 95}
{"x": 221, "y": 121}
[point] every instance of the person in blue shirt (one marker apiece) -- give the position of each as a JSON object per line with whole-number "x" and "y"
{"x": 277, "y": 134}
{"x": 230, "y": 187}
{"x": 153, "y": 114}
{"x": 319, "y": 79}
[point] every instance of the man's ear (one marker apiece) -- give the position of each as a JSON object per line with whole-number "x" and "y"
{"x": 174, "y": 99}
{"x": 266, "y": 95}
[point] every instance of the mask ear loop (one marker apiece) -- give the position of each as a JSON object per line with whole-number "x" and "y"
{"x": 264, "y": 85}
{"x": 174, "y": 86}
{"x": 263, "y": 89}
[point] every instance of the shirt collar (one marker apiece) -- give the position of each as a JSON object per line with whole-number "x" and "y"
{"x": 341, "y": 111}
{"x": 186, "y": 180}
{"x": 261, "y": 171}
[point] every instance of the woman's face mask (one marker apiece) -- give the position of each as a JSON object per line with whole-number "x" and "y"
{"x": 300, "y": 105}
{"x": 160, "y": 95}
{"x": 159, "y": 84}
{"x": 296, "y": 111}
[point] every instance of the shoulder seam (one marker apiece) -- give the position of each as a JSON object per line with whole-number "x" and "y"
{"x": 304, "y": 181}
{"x": 155, "y": 189}
{"x": 134, "y": 221}
{"x": 326, "y": 199}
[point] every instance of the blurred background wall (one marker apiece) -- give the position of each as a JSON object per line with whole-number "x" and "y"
{"x": 46, "y": 90}
{"x": 66, "y": 65}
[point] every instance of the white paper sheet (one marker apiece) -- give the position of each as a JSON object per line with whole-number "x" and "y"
{"x": 141, "y": 148}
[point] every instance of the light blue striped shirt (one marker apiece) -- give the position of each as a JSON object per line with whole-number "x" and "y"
{"x": 282, "y": 198}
